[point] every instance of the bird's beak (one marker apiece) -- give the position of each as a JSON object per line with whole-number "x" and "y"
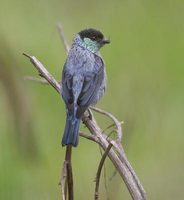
{"x": 105, "y": 41}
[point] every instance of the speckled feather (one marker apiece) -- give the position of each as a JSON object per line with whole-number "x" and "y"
{"x": 83, "y": 84}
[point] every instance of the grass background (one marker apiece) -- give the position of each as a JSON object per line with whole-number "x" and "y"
{"x": 145, "y": 69}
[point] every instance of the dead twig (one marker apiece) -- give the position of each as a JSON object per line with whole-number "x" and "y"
{"x": 89, "y": 137}
{"x": 63, "y": 38}
{"x": 126, "y": 172}
{"x": 62, "y": 181}
{"x": 110, "y": 126}
{"x": 100, "y": 169}
{"x": 36, "y": 80}
{"x": 104, "y": 174}
{"x": 43, "y": 72}
{"x": 116, "y": 122}
{"x": 68, "y": 157}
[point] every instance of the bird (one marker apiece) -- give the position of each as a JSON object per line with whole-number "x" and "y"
{"x": 83, "y": 80}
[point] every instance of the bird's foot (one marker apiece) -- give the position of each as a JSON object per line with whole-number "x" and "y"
{"x": 90, "y": 114}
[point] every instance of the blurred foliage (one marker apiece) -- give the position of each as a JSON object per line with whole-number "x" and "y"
{"x": 145, "y": 90}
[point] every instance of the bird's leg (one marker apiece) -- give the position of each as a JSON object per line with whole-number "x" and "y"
{"x": 90, "y": 116}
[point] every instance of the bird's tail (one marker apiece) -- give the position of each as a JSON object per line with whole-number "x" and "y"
{"x": 71, "y": 132}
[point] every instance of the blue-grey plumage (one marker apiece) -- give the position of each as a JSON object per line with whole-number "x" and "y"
{"x": 83, "y": 80}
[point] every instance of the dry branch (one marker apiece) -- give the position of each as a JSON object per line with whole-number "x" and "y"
{"x": 68, "y": 157}
{"x": 36, "y": 80}
{"x": 99, "y": 171}
{"x": 43, "y": 72}
{"x": 113, "y": 118}
{"x": 63, "y": 38}
{"x": 62, "y": 181}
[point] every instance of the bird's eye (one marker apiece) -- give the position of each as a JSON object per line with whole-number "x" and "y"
{"x": 93, "y": 38}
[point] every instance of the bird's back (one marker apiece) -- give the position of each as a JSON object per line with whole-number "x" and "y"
{"x": 82, "y": 66}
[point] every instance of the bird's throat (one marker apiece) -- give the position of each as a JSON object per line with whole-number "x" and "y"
{"x": 90, "y": 45}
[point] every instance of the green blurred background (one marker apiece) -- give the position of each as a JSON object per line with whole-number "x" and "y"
{"x": 145, "y": 66}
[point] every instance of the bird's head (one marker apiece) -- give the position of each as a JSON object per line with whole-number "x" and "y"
{"x": 92, "y": 39}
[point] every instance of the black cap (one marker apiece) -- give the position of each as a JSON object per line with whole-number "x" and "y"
{"x": 93, "y": 34}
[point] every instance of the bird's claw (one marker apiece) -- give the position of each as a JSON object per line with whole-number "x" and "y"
{"x": 90, "y": 116}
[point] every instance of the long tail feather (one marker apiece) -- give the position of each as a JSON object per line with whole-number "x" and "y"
{"x": 71, "y": 132}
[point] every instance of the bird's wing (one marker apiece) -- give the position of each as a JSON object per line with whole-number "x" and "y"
{"x": 91, "y": 83}
{"x": 67, "y": 81}
{"x": 91, "y": 86}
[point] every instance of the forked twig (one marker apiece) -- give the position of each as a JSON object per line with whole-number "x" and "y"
{"x": 126, "y": 173}
{"x": 116, "y": 122}
{"x": 43, "y": 72}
